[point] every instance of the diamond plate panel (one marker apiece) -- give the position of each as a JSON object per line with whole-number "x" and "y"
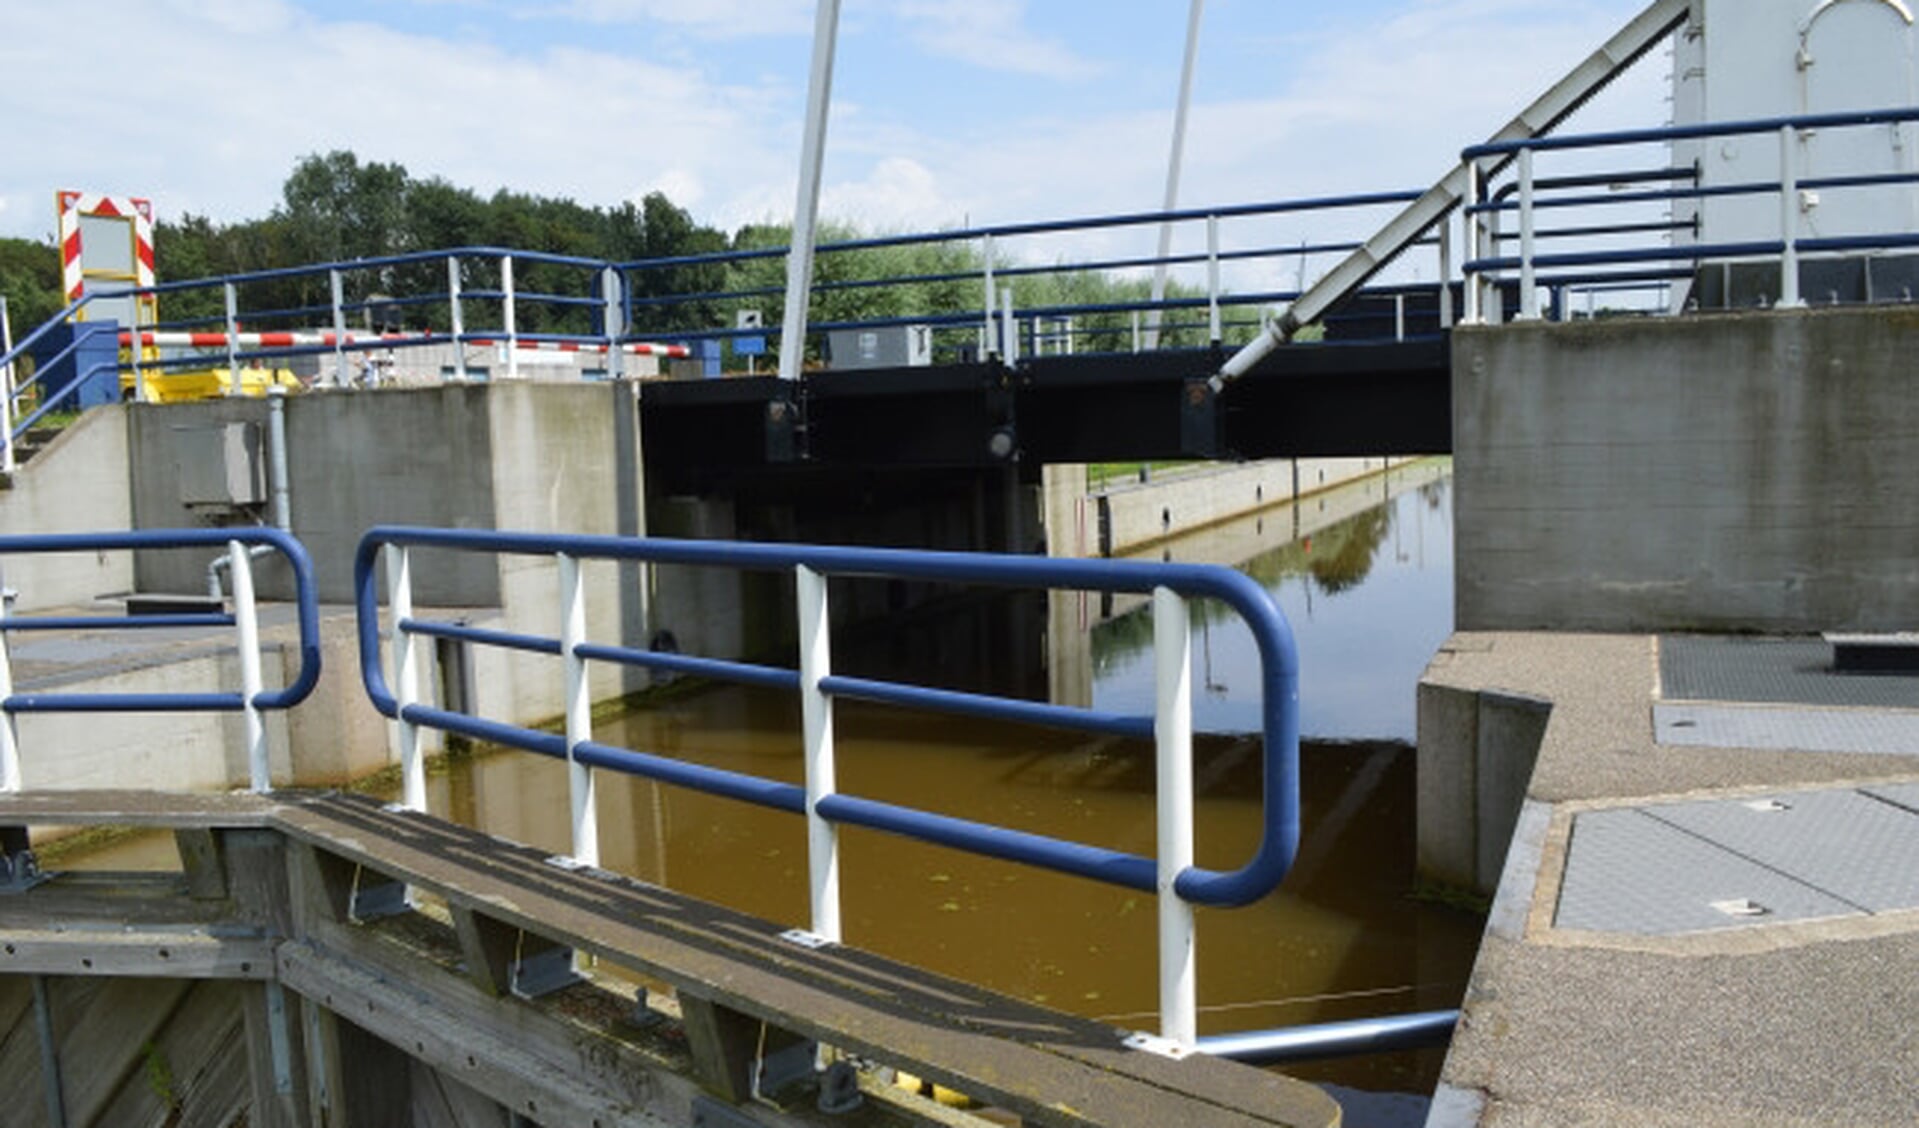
{"x": 1785, "y": 671}
{"x": 1852, "y": 846}
{"x": 1793, "y": 730}
{"x": 1629, "y": 872}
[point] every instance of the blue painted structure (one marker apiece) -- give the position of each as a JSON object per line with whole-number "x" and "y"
{"x": 1279, "y": 679}
{"x": 306, "y": 604}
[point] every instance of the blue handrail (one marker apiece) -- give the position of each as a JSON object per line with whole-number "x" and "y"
{"x": 306, "y": 600}
{"x": 1272, "y": 636}
{"x": 1891, "y": 116}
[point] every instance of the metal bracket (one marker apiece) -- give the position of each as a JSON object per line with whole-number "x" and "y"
{"x": 789, "y": 1066}
{"x": 544, "y": 972}
{"x": 376, "y": 899}
{"x": 19, "y": 872}
{"x": 1154, "y": 1044}
{"x": 805, "y": 939}
{"x": 1199, "y": 419}
{"x": 839, "y": 1089}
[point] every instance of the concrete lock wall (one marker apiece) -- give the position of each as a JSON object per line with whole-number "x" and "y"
{"x": 1171, "y": 503}
{"x": 1746, "y": 471}
{"x": 77, "y": 484}
{"x": 417, "y": 457}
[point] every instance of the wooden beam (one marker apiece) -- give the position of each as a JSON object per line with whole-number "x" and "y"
{"x": 186, "y": 954}
{"x": 137, "y": 808}
{"x": 1048, "y": 1067}
{"x": 487, "y": 946}
{"x": 202, "y": 861}
{"x": 724, "y": 1044}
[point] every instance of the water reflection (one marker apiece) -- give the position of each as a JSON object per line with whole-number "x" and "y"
{"x": 1364, "y": 576}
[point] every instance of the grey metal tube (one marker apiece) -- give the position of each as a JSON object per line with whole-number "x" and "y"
{"x": 1334, "y": 1039}
{"x": 281, "y": 507}
{"x": 277, "y": 457}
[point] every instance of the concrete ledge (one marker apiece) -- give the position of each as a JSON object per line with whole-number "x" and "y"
{"x": 1793, "y": 1023}
{"x": 1476, "y": 752}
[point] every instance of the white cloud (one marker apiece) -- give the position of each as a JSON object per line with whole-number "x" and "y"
{"x": 681, "y": 185}
{"x": 249, "y": 86}
{"x": 712, "y": 18}
{"x": 233, "y": 93}
{"x": 991, "y": 34}
{"x": 899, "y": 194}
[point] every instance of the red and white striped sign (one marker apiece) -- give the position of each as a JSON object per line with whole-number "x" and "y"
{"x": 678, "y": 352}
{"x": 73, "y": 205}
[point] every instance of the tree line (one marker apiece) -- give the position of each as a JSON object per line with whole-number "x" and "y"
{"x": 336, "y": 208}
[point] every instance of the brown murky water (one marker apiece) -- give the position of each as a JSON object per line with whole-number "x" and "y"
{"x": 1343, "y": 938}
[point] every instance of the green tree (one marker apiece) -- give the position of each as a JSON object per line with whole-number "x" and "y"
{"x": 30, "y": 278}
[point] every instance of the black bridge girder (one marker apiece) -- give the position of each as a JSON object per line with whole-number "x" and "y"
{"x": 1310, "y": 400}
{"x": 1321, "y": 401}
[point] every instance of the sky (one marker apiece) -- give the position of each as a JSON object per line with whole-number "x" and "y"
{"x": 945, "y": 112}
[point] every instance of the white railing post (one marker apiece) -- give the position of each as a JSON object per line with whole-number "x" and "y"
{"x": 1008, "y": 327}
{"x": 246, "y": 621}
{"x": 6, "y": 390}
{"x": 611, "y": 290}
{"x": 1212, "y": 275}
{"x": 989, "y": 340}
{"x": 1136, "y": 336}
{"x": 459, "y": 317}
{"x": 1173, "y": 733}
{"x": 816, "y": 716}
{"x": 406, "y": 677}
{"x": 1399, "y": 317}
{"x": 1446, "y": 273}
{"x": 508, "y": 315}
{"x": 1528, "y": 275}
{"x": 335, "y": 283}
{"x": 1469, "y": 279}
{"x": 9, "y": 731}
{"x": 232, "y": 296}
{"x": 579, "y": 712}
{"x": 1789, "y": 219}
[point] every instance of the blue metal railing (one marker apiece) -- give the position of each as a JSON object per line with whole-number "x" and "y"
{"x": 251, "y": 699}
{"x": 1279, "y": 682}
{"x": 1484, "y": 240}
{"x": 1180, "y": 883}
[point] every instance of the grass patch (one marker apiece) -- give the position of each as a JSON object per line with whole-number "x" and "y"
{"x": 1442, "y": 895}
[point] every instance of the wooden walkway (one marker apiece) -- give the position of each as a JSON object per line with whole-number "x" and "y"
{"x": 413, "y": 1018}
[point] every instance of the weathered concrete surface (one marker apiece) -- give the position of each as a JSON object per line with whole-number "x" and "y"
{"x": 1745, "y": 471}
{"x": 1783, "y": 1024}
{"x": 354, "y": 460}
{"x": 1135, "y": 515}
{"x": 77, "y": 484}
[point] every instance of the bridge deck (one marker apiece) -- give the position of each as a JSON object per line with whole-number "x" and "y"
{"x": 1304, "y": 401}
{"x": 268, "y": 897}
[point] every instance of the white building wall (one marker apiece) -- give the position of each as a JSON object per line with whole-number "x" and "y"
{"x": 1747, "y": 59}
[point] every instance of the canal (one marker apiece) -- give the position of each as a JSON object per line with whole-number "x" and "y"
{"x": 1364, "y": 575}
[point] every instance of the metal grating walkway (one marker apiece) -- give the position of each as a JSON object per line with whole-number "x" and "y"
{"x": 1783, "y": 671}
{"x": 1779, "y": 694}
{"x": 1670, "y": 868}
